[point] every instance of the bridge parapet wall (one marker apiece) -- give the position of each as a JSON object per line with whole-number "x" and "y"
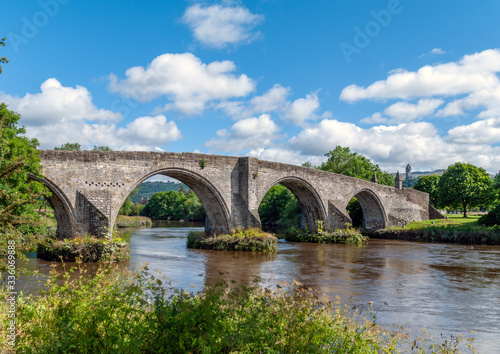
{"x": 92, "y": 186}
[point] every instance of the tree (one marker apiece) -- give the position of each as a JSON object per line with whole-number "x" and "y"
{"x": 341, "y": 160}
{"x": 3, "y": 60}
{"x": 69, "y": 147}
{"x": 465, "y": 186}
{"x": 429, "y": 184}
{"x": 127, "y": 207}
{"x": 19, "y": 192}
{"x": 279, "y": 209}
{"x": 101, "y": 148}
{"x": 174, "y": 205}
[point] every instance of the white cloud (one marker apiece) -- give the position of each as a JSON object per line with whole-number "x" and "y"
{"x": 185, "y": 80}
{"x": 394, "y": 146}
{"x": 218, "y": 26}
{"x": 56, "y": 103}
{"x": 150, "y": 131}
{"x": 302, "y": 109}
{"x": 58, "y": 115}
{"x": 276, "y": 154}
{"x": 274, "y": 99}
{"x": 401, "y": 112}
{"x": 471, "y": 74}
{"x": 437, "y": 51}
{"x": 375, "y": 118}
{"x": 144, "y": 133}
{"x": 250, "y": 133}
{"x": 486, "y": 131}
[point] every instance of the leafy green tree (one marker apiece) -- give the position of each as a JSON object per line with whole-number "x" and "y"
{"x": 101, "y": 148}
{"x": 174, "y": 205}
{"x": 341, "y": 160}
{"x": 465, "y": 186}
{"x": 69, "y": 147}
{"x": 429, "y": 184}
{"x": 3, "y": 60}
{"x": 279, "y": 209}
{"x": 137, "y": 209}
{"x": 19, "y": 192}
{"x": 127, "y": 207}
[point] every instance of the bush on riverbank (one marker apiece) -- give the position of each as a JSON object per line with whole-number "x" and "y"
{"x": 454, "y": 229}
{"x": 252, "y": 239}
{"x": 469, "y": 235}
{"x": 347, "y": 235}
{"x": 87, "y": 249}
{"x": 116, "y": 311}
{"x": 123, "y": 221}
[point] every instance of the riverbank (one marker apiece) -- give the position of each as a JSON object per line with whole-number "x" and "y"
{"x": 453, "y": 229}
{"x": 108, "y": 312}
{"x": 123, "y": 221}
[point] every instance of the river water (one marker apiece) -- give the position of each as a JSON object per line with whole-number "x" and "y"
{"x": 446, "y": 289}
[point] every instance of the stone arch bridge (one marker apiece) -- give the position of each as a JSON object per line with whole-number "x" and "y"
{"x": 89, "y": 187}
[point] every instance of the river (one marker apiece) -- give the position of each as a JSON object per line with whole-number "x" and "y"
{"x": 446, "y": 289}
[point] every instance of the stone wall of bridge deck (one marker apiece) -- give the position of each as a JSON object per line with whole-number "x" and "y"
{"x": 103, "y": 180}
{"x": 328, "y": 194}
{"x": 93, "y": 185}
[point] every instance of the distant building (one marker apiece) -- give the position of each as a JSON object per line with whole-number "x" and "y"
{"x": 408, "y": 172}
{"x": 143, "y": 201}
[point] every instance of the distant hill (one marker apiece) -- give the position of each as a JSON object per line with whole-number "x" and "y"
{"x": 420, "y": 174}
{"x": 148, "y": 189}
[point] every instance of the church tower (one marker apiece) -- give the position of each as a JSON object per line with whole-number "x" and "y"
{"x": 408, "y": 171}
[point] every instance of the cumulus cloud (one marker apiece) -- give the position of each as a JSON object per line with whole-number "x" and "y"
{"x": 56, "y": 103}
{"x": 185, "y": 80}
{"x": 302, "y": 109}
{"x": 275, "y": 100}
{"x": 148, "y": 131}
{"x": 218, "y": 26}
{"x": 470, "y": 74}
{"x": 249, "y": 133}
{"x": 486, "y": 131}
{"x": 283, "y": 155}
{"x": 60, "y": 114}
{"x": 401, "y": 112}
{"x": 144, "y": 133}
{"x": 393, "y": 146}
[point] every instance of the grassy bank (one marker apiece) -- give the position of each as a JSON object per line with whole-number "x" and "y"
{"x": 87, "y": 249}
{"x": 120, "y": 312}
{"x": 242, "y": 240}
{"x": 454, "y": 229}
{"x": 123, "y": 221}
{"x": 347, "y": 235}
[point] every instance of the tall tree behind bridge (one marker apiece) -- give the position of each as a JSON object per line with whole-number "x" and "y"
{"x": 341, "y": 160}
{"x": 465, "y": 186}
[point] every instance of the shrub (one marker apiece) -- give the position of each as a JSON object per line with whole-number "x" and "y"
{"x": 87, "y": 249}
{"x": 347, "y": 235}
{"x": 492, "y": 218}
{"x": 252, "y": 239}
{"x": 121, "y": 312}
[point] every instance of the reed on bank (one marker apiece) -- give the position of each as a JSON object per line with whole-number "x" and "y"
{"x": 118, "y": 311}
{"x": 346, "y": 235}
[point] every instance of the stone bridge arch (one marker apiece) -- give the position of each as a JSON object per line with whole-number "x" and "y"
{"x": 374, "y": 215}
{"x": 218, "y": 216}
{"x": 309, "y": 199}
{"x": 63, "y": 210}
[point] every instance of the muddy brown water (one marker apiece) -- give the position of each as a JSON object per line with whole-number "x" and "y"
{"x": 446, "y": 289}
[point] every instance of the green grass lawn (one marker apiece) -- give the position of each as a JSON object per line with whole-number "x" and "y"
{"x": 452, "y": 220}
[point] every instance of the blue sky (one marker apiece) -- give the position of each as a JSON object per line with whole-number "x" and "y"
{"x": 400, "y": 81}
